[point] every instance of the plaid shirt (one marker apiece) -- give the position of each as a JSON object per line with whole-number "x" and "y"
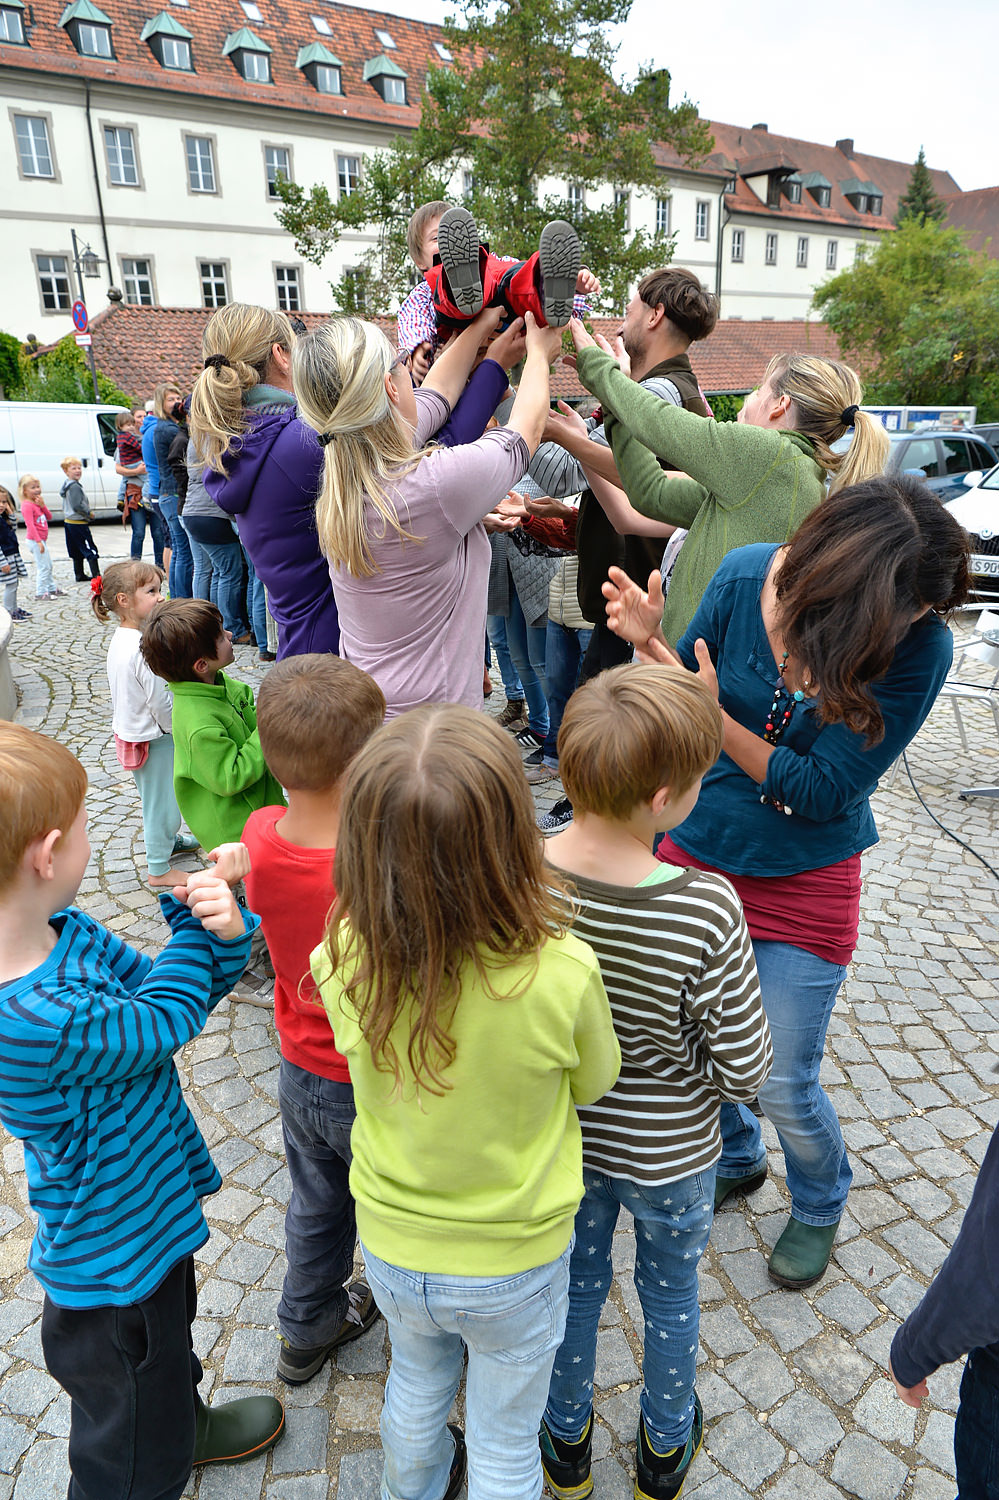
{"x": 416, "y": 321}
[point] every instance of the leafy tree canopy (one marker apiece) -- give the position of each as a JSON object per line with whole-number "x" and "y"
{"x": 530, "y": 96}
{"x": 11, "y": 372}
{"x": 920, "y": 317}
{"x": 63, "y": 374}
{"x": 920, "y": 201}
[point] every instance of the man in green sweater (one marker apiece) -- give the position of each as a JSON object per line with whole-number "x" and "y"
{"x": 219, "y": 771}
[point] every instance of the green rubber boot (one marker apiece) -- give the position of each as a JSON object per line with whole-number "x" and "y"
{"x": 802, "y": 1253}
{"x": 234, "y": 1431}
{"x": 725, "y": 1187}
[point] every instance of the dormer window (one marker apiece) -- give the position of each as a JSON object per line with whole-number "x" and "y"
{"x": 773, "y": 192}
{"x": 792, "y": 189}
{"x": 251, "y": 56}
{"x": 863, "y": 195}
{"x": 823, "y": 197}
{"x": 321, "y": 25}
{"x": 169, "y": 42}
{"x": 89, "y": 29}
{"x": 876, "y": 203}
{"x": 321, "y": 68}
{"x": 384, "y": 39}
{"x": 12, "y": 22}
{"x": 818, "y": 186}
{"x": 251, "y": 12}
{"x": 386, "y": 78}
{"x": 444, "y": 53}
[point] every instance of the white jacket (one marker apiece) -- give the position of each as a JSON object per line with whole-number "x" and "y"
{"x": 141, "y": 709}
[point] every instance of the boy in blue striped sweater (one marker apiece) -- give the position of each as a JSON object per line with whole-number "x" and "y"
{"x": 116, "y": 1165}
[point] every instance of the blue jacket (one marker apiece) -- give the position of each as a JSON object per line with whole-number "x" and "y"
{"x": 162, "y": 434}
{"x": 826, "y": 774}
{"x": 149, "y": 422}
{"x": 116, "y": 1165}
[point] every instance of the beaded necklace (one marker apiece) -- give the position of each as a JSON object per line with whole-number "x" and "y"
{"x": 778, "y": 719}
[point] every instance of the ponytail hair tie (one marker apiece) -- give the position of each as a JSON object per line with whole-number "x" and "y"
{"x": 96, "y": 587}
{"x": 217, "y": 361}
{"x": 325, "y": 438}
{"x": 848, "y": 414}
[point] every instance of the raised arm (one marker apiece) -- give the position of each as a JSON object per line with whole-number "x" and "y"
{"x": 530, "y": 409}
{"x": 450, "y": 371}
{"x": 660, "y": 497}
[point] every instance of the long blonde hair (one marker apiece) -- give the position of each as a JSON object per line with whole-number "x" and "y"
{"x": 238, "y": 340}
{"x": 822, "y": 390}
{"x": 339, "y": 376}
{"x": 439, "y": 871}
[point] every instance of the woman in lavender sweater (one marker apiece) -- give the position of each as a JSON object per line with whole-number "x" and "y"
{"x": 400, "y": 521}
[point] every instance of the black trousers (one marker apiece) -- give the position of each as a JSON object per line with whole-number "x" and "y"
{"x": 131, "y": 1375}
{"x": 605, "y": 650}
{"x": 81, "y": 547}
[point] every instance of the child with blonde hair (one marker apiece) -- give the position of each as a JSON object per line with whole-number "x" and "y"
{"x": 36, "y": 522}
{"x": 12, "y": 568}
{"x": 142, "y": 713}
{"x": 77, "y": 515}
{"x": 473, "y": 1024}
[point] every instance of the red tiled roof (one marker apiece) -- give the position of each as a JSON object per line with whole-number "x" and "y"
{"x": 140, "y": 347}
{"x": 977, "y": 213}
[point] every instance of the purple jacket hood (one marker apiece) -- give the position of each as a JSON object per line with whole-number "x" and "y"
{"x": 250, "y": 453}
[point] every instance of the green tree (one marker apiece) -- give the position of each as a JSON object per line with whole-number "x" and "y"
{"x": 920, "y": 319}
{"x": 530, "y": 96}
{"x": 63, "y": 374}
{"x": 11, "y": 367}
{"x": 920, "y": 201}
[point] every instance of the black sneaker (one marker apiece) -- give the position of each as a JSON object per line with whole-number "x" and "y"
{"x": 458, "y": 248}
{"x": 459, "y": 1464}
{"x": 558, "y": 258}
{"x": 536, "y": 757}
{"x": 528, "y": 740}
{"x": 661, "y": 1475}
{"x": 557, "y": 818}
{"x": 567, "y": 1465}
{"x": 295, "y": 1366}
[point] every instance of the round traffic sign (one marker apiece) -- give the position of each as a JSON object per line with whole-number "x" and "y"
{"x": 80, "y": 319}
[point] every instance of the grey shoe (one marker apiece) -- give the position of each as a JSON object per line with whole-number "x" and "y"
{"x": 558, "y": 256}
{"x": 458, "y": 247}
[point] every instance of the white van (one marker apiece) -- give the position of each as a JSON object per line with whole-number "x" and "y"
{"x": 35, "y": 436}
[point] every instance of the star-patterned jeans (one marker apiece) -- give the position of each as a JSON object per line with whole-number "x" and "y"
{"x": 672, "y": 1223}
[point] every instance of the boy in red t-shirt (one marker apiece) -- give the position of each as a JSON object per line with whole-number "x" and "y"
{"x": 313, "y": 715}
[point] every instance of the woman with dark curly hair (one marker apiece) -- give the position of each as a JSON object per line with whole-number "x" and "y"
{"x": 826, "y": 656}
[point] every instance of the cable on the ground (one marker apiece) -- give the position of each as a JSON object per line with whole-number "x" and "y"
{"x": 948, "y": 831}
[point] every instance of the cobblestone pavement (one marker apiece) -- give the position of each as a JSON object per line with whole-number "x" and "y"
{"x": 795, "y": 1400}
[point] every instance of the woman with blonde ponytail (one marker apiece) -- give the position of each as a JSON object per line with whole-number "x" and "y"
{"x": 264, "y": 467}
{"x": 754, "y": 480}
{"x": 399, "y": 519}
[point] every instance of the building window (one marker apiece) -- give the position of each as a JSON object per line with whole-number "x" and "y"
{"x": 11, "y": 26}
{"x": 93, "y": 41}
{"x": 770, "y": 255}
{"x": 214, "y": 283}
{"x": 327, "y": 79}
{"x": 289, "y": 291}
{"x": 348, "y": 174}
{"x": 802, "y": 256}
{"x": 467, "y": 184}
{"x": 393, "y": 90}
{"x": 730, "y": 185}
{"x": 824, "y": 197}
{"x": 384, "y": 39}
{"x": 662, "y": 215}
{"x": 200, "y": 169}
{"x": 702, "y": 219}
{"x": 251, "y": 12}
{"x": 119, "y": 143}
{"x": 832, "y": 247}
{"x": 793, "y": 190}
{"x": 33, "y": 147}
{"x": 137, "y": 282}
{"x": 876, "y": 205}
{"x": 277, "y": 162}
{"x": 175, "y": 53}
{"x": 738, "y": 244}
{"x": 861, "y": 201}
{"x": 322, "y": 25}
{"x": 576, "y": 198}
{"x": 773, "y": 192}
{"x": 443, "y": 52}
{"x": 53, "y": 280}
{"x": 255, "y": 66}
{"x": 622, "y": 205}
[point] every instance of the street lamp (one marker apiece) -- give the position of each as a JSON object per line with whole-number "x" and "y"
{"x": 86, "y": 263}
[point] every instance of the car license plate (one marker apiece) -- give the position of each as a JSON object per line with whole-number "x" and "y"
{"x": 985, "y": 567}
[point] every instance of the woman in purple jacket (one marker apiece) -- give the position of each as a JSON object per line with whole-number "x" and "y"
{"x": 265, "y": 467}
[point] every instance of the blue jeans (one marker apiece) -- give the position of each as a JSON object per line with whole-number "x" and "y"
{"x": 227, "y": 574}
{"x": 672, "y": 1223}
{"x": 564, "y": 652}
{"x": 976, "y": 1431}
{"x": 319, "y": 1227}
{"x": 256, "y": 599}
{"x": 139, "y": 519}
{"x": 181, "y": 561}
{"x": 511, "y": 1326}
{"x": 527, "y": 648}
{"x": 496, "y": 631}
{"x": 204, "y": 583}
{"x": 799, "y": 991}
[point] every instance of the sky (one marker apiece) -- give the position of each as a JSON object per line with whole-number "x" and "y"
{"x": 892, "y": 74}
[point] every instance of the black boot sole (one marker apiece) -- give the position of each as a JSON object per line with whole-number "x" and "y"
{"x": 458, "y": 248}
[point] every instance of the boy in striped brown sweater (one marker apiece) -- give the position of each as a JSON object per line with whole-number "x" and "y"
{"x": 677, "y": 964}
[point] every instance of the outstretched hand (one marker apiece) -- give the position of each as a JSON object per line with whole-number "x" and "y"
{"x": 544, "y": 340}
{"x": 546, "y": 507}
{"x": 580, "y": 337}
{"x": 587, "y": 284}
{"x": 509, "y": 347}
{"x": 564, "y": 425}
{"x": 632, "y": 613}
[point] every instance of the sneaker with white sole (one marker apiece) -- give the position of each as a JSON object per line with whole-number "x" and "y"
{"x": 558, "y": 258}
{"x": 557, "y": 818}
{"x": 295, "y": 1366}
{"x": 458, "y": 248}
{"x": 528, "y": 740}
{"x": 538, "y": 774}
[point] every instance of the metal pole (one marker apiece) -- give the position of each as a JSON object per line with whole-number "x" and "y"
{"x": 79, "y": 282}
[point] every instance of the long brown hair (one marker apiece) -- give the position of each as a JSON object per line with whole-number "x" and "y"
{"x": 438, "y": 867}
{"x": 857, "y": 571}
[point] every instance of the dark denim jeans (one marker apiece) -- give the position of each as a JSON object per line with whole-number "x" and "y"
{"x": 527, "y": 650}
{"x": 181, "y": 561}
{"x": 256, "y": 602}
{"x": 976, "y": 1432}
{"x": 496, "y": 631}
{"x": 564, "y": 652}
{"x": 320, "y": 1230}
{"x": 139, "y": 519}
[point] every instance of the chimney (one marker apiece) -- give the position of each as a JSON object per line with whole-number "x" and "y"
{"x": 761, "y": 125}
{"x": 846, "y": 146}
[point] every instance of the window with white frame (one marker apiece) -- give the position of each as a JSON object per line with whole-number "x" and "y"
{"x": 832, "y": 250}
{"x": 251, "y": 11}
{"x": 33, "y": 149}
{"x": 738, "y": 244}
{"x": 119, "y": 144}
{"x": 801, "y": 258}
{"x": 93, "y": 41}
{"x": 576, "y": 199}
{"x": 876, "y": 204}
{"x": 200, "y": 168}
{"x": 444, "y": 53}
{"x": 393, "y": 89}
{"x": 622, "y": 204}
{"x": 322, "y": 25}
{"x": 175, "y": 53}
{"x": 354, "y": 278}
{"x": 255, "y": 66}
{"x": 328, "y": 79}
{"x": 385, "y": 39}
{"x": 137, "y": 282}
{"x": 770, "y": 253}
{"x": 702, "y": 219}
{"x": 467, "y": 184}
{"x": 663, "y": 210}
{"x": 11, "y": 25}
{"x": 289, "y": 288}
{"x": 277, "y": 161}
{"x": 348, "y": 174}
{"x": 214, "y": 283}
{"x": 824, "y": 197}
{"x": 793, "y": 190}
{"x": 53, "y": 282}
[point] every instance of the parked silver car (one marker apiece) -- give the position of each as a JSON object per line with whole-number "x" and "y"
{"x": 977, "y": 509}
